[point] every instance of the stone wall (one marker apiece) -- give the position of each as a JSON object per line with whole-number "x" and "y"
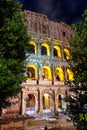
{"x": 40, "y": 24}
{"x": 43, "y": 30}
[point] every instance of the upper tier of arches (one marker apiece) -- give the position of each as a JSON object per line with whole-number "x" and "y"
{"x": 57, "y": 51}
{"x": 47, "y": 73}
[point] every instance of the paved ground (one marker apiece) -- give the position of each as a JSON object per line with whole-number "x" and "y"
{"x": 39, "y": 123}
{"x": 52, "y": 122}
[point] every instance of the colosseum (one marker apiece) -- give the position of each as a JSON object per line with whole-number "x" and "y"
{"x": 45, "y": 89}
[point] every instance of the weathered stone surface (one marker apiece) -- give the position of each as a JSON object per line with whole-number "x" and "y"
{"x": 39, "y": 23}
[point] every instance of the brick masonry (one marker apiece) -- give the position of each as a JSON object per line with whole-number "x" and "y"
{"x": 42, "y": 26}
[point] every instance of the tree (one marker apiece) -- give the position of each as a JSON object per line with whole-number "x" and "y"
{"x": 79, "y": 66}
{"x": 13, "y": 39}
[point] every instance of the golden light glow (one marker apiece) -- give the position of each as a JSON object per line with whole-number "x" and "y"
{"x": 58, "y": 51}
{"x": 47, "y": 47}
{"x": 67, "y": 52}
{"x": 32, "y": 66}
{"x": 30, "y": 100}
{"x": 70, "y": 75}
{"x": 46, "y": 70}
{"x": 59, "y": 72}
{"x": 34, "y": 44}
{"x": 46, "y": 101}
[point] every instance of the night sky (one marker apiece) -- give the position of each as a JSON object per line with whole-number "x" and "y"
{"x": 68, "y": 11}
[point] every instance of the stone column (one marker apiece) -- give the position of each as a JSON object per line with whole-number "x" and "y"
{"x": 41, "y": 103}
{"x": 53, "y": 104}
{"x": 52, "y": 75}
{"x": 56, "y": 103}
{"x": 62, "y": 51}
{"x": 54, "y": 97}
{"x": 40, "y": 72}
{"x": 22, "y": 103}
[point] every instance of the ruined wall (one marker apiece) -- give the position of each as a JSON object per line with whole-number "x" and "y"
{"x": 43, "y": 30}
{"x": 39, "y": 23}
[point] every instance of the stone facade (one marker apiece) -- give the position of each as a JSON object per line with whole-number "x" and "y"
{"x": 40, "y": 24}
{"x": 47, "y": 66}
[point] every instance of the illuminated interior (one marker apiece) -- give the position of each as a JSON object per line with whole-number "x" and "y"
{"x": 57, "y": 51}
{"x": 45, "y": 46}
{"x": 59, "y": 74}
{"x": 30, "y": 101}
{"x": 59, "y": 101}
{"x": 32, "y": 48}
{"x": 46, "y": 73}
{"x": 67, "y": 53}
{"x": 70, "y": 75}
{"x": 32, "y": 72}
{"x": 46, "y": 101}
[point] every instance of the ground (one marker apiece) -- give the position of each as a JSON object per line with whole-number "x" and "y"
{"x": 39, "y": 123}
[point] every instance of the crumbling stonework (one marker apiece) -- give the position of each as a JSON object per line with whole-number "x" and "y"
{"x": 40, "y": 24}
{"x": 45, "y": 88}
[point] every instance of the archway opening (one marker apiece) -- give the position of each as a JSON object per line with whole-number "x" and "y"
{"x": 62, "y": 105}
{"x": 30, "y": 101}
{"x": 46, "y": 73}
{"x": 31, "y": 72}
{"x": 45, "y": 49}
{"x": 66, "y": 54}
{"x": 59, "y": 101}
{"x": 32, "y": 47}
{"x": 59, "y": 74}
{"x": 57, "y": 51}
{"x": 30, "y": 104}
{"x": 46, "y": 101}
{"x": 70, "y": 75}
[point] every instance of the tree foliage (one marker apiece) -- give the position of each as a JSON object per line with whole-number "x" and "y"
{"x": 13, "y": 39}
{"x": 79, "y": 50}
{"x": 79, "y": 67}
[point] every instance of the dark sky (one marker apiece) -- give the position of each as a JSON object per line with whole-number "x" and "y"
{"x": 68, "y": 11}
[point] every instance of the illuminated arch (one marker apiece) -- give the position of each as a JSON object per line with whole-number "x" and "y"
{"x": 31, "y": 72}
{"x": 47, "y": 48}
{"x": 58, "y": 50}
{"x": 61, "y": 104}
{"x": 70, "y": 75}
{"x": 46, "y": 71}
{"x": 59, "y": 74}
{"x": 30, "y": 101}
{"x": 67, "y": 53}
{"x": 46, "y": 101}
{"x": 32, "y": 50}
{"x": 59, "y": 101}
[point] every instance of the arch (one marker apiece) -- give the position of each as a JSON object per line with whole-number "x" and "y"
{"x": 59, "y": 101}
{"x": 45, "y": 49}
{"x": 57, "y": 51}
{"x": 59, "y": 74}
{"x": 46, "y": 73}
{"x": 31, "y": 72}
{"x": 46, "y": 101}
{"x": 70, "y": 75}
{"x": 30, "y": 105}
{"x": 30, "y": 101}
{"x": 61, "y": 104}
{"x": 32, "y": 47}
{"x": 66, "y": 54}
